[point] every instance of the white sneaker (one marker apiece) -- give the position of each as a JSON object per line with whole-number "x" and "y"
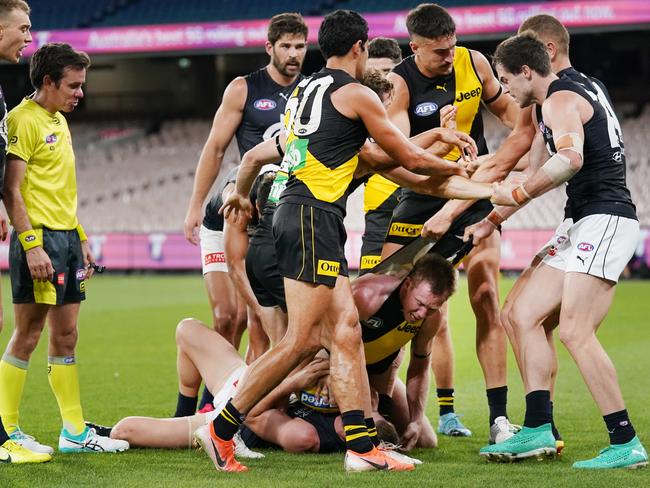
{"x": 502, "y": 430}
{"x": 89, "y": 441}
{"x": 392, "y": 450}
{"x": 242, "y": 450}
{"x": 28, "y": 442}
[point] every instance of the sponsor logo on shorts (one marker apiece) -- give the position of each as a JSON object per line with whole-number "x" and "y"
{"x": 561, "y": 239}
{"x": 373, "y": 323}
{"x": 82, "y": 286}
{"x": 264, "y": 104}
{"x": 369, "y": 262}
{"x": 409, "y": 328}
{"x": 425, "y": 109}
{"x": 467, "y": 95}
{"x": 328, "y": 268}
{"x": 61, "y": 279}
{"x": 585, "y": 246}
{"x": 81, "y": 274}
{"x": 552, "y": 251}
{"x": 51, "y": 139}
{"x": 404, "y": 230}
{"x": 214, "y": 257}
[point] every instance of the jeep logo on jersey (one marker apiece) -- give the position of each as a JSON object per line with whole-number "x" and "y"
{"x": 585, "y": 246}
{"x": 51, "y": 139}
{"x": 467, "y": 95}
{"x": 264, "y": 104}
{"x": 425, "y": 109}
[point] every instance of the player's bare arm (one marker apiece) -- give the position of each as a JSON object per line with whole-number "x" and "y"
{"x": 370, "y": 291}
{"x": 224, "y": 125}
{"x": 357, "y": 101}
{"x": 503, "y": 106}
{"x": 38, "y": 261}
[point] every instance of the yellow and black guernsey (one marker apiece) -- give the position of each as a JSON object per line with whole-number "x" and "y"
{"x": 322, "y": 144}
{"x": 49, "y": 189}
{"x": 385, "y": 333}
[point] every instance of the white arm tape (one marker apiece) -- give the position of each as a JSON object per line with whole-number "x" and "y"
{"x": 558, "y": 168}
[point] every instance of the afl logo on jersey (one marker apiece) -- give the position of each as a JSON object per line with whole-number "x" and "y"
{"x": 425, "y": 109}
{"x": 264, "y": 104}
{"x": 373, "y": 322}
{"x": 585, "y": 246}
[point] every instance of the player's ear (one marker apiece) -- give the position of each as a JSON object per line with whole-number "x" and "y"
{"x": 552, "y": 50}
{"x": 414, "y": 46}
{"x": 268, "y": 47}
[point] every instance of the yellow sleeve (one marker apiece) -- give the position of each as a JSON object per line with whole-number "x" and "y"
{"x": 22, "y": 136}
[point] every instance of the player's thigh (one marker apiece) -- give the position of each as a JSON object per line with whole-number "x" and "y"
{"x": 586, "y": 300}
{"x": 482, "y": 266}
{"x": 212, "y": 355}
{"x": 222, "y": 294}
{"x": 541, "y": 295}
{"x": 307, "y": 304}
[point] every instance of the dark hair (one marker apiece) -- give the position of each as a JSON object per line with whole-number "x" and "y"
{"x": 261, "y": 189}
{"x": 53, "y": 59}
{"x": 7, "y": 6}
{"x": 385, "y": 47}
{"x": 387, "y": 432}
{"x": 430, "y": 20}
{"x": 287, "y": 23}
{"x": 339, "y": 31}
{"x": 377, "y": 82}
{"x": 437, "y": 272}
{"x": 524, "y": 49}
{"x": 547, "y": 26}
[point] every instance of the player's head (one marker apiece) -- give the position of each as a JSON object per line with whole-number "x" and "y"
{"x": 287, "y": 43}
{"x": 384, "y": 54}
{"x": 377, "y": 82}
{"x": 261, "y": 189}
{"x": 433, "y": 38}
{"x": 343, "y": 33}
{"x": 14, "y": 29}
{"x": 551, "y": 32}
{"x": 520, "y": 61}
{"x": 59, "y": 72}
{"x": 431, "y": 282}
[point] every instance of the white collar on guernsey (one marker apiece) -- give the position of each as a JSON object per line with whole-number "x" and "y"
{"x": 269, "y": 167}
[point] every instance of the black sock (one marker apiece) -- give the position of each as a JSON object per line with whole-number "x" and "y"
{"x": 497, "y": 401}
{"x": 226, "y": 424}
{"x": 556, "y": 433}
{"x": 619, "y": 427}
{"x": 3, "y": 434}
{"x": 385, "y": 406}
{"x": 372, "y": 431}
{"x": 538, "y": 408}
{"x": 445, "y": 400}
{"x": 205, "y": 398}
{"x": 356, "y": 432}
{"x": 185, "y": 406}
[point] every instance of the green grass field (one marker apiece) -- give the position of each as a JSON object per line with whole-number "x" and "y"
{"x": 127, "y": 365}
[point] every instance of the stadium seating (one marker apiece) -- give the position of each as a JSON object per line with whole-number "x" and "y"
{"x": 130, "y": 181}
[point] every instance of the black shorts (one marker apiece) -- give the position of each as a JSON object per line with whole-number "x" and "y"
{"x": 263, "y": 274}
{"x": 382, "y": 365}
{"x": 413, "y": 211}
{"x": 324, "y": 425}
{"x": 373, "y": 239}
{"x": 64, "y": 250}
{"x": 310, "y": 244}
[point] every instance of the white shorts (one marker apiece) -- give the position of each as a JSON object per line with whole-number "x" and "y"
{"x": 600, "y": 245}
{"x": 213, "y": 255}
{"x": 551, "y": 251}
{"x": 226, "y": 392}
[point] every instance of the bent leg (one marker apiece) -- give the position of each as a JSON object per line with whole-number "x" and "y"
{"x": 158, "y": 433}
{"x": 222, "y": 296}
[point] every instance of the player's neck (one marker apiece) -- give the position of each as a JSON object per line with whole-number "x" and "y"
{"x": 279, "y": 78}
{"x": 559, "y": 64}
{"x": 41, "y": 99}
{"x": 541, "y": 89}
{"x": 344, "y": 63}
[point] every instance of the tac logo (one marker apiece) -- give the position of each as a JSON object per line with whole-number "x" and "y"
{"x": 51, "y": 139}
{"x": 462, "y": 96}
{"x": 425, "y": 109}
{"x": 81, "y": 274}
{"x": 328, "y": 268}
{"x": 585, "y": 246}
{"x": 264, "y": 104}
{"x": 214, "y": 257}
{"x": 404, "y": 230}
{"x": 373, "y": 323}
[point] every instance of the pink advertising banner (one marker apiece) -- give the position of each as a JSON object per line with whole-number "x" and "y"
{"x": 477, "y": 20}
{"x": 160, "y": 251}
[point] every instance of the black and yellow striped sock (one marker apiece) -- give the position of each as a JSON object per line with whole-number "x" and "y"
{"x": 372, "y": 431}
{"x": 445, "y": 400}
{"x": 356, "y": 432}
{"x": 226, "y": 424}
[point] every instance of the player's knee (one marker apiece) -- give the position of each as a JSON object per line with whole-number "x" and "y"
{"x": 184, "y": 330}
{"x": 64, "y": 341}
{"x": 224, "y": 320}
{"x": 485, "y": 296}
{"x": 303, "y": 440}
{"x": 573, "y": 337}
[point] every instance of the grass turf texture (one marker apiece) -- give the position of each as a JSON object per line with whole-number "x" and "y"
{"x": 126, "y": 354}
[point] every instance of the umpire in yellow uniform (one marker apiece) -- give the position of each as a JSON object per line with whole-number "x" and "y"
{"x": 49, "y": 256}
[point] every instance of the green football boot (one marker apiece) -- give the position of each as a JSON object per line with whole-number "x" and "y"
{"x": 529, "y": 442}
{"x": 631, "y": 455}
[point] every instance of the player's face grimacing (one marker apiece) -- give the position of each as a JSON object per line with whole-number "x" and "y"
{"x": 69, "y": 91}
{"x": 15, "y": 35}
{"x": 288, "y": 54}
{"x": 417, "y": 300}
{"x": 435, "y": 55}
{"x": 517, "y": 86}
